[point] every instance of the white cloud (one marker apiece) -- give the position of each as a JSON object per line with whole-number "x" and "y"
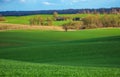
{"x": 6, "y": 0}
{"x": 26, "y": 1}
{"x": 23, "y": 1}
{"x": 47, "y": 3}
{"x": 85, "y": 0}
{"x": 73, "y": 1}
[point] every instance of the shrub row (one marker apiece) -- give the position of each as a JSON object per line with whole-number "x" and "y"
{"x": 37, "y": 20}
{"x": 2, "y": 18}
{"x": 94, "y": 21}
{"x": 97, "y": 21}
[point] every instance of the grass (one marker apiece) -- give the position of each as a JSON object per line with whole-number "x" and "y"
{"x": 25, "y": 19}
{"x": 86, "y": 53}
{"x": 25, "y": 69}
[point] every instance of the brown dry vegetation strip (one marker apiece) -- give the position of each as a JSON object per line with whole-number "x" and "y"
{"x": 5, "y": 26}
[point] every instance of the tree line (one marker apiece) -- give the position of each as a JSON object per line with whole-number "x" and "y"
{"x": 88, "y": 22}
{"x": 38, "y": 20}
{"x": 94, "y": 21}
{"x": 2, "y": 18}
{"x": 65, "y": 11}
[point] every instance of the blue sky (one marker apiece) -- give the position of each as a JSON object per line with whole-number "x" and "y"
{"x": 18, "y": 5}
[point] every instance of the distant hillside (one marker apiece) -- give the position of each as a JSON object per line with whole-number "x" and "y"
{"x": 66, "y": 11}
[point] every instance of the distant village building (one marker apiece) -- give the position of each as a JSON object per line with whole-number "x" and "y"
{"x": 76, "y": 19}
{"x": 66, "y": 18}
{"x": 60, "y": 19}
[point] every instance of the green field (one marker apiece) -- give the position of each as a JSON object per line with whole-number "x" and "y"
{"x": 25, "y": 19}
{"x": 85, "y": 53}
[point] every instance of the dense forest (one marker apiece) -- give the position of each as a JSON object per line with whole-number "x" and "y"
{"x": 66, "y": 11}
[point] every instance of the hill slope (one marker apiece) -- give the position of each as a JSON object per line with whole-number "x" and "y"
{"x": 93, "y": 53}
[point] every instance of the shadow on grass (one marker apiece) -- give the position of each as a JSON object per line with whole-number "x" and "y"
{"x": 91, "y": 52}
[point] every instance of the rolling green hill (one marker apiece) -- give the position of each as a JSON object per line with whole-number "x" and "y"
{"x": 85, "y": 53}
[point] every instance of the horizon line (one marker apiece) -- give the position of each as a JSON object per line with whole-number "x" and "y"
{"x": 61, "y": 9}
